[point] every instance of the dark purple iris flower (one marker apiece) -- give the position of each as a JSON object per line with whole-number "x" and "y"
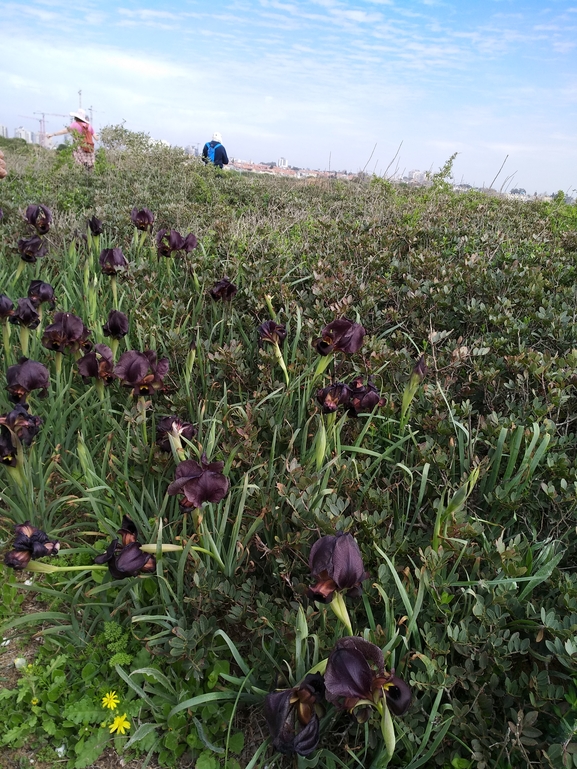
{"x": 176, "y": 426}
{"x": 40, "y": 292}
{"x": 23, "y": 425}
{"x": 8, "y": 451}
{"x": 95, "y": 225}
{"x": 190, "y": 243}
{"x": 140, "y": 371}
{"x": 333, "y": 396}
{"x": 97, "y": 364}
{"x": 168, "y": 241}
{"x": 420, "y": 369}
{"x": 67, "y": 334}
{"x": 142, "y": 219}
{"x": 31, "y": 249}
{"x": 356, "y": 671}
{"x": 116, "y": 326}
{"x": 25, "y": 314}
{"x": 271, "y": 331}
{"x": 286, "y": 710}
{"x": 199, "y": 483}
{"x": 30, "y": 543}
{"x": 336, "y": 563}
{"x": 112, "y": 260}
{"x": 25, "y": 376}
{"x": 363, "y": 398}
{"x": 342, "y": 335}
{"x": 6, "y": 306}
{"x": 40, "y": 217}
{"x": 223, "y": 290}
{"x": 124, "y": 557}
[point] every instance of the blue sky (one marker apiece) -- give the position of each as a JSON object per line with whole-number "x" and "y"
{"x": 309, "y": 79}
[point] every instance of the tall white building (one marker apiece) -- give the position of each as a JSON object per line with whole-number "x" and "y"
{"x": 282, "y": 163}
{"x": 4, "y": 131}
{"x": 22, "y": 133}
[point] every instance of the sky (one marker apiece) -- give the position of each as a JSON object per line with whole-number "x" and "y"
{"x": 338, "y": 84}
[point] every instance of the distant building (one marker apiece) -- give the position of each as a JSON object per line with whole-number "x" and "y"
{"x": 22, "y": 133}
{"x": 4, "y": 132}
{"x": 282, "y": 163}
{"x": 35, "y": 137}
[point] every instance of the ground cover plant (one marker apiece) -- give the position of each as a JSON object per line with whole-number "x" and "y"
{"x": 289, "y": 470}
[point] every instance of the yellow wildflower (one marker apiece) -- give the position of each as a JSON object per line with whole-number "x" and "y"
{"x": 34, "y": 701}
{"x": 110, "y": 700}
{"x": 120, "y": 724}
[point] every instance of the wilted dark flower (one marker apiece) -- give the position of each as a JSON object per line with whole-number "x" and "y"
{"x": 67, "y": 334}
{"x": 168, "y": 241}
{"x": 199, "y": 483}
{"x": 112, "y": 260}
{"x": 299, "y": 706}
{"x": 140, "y": 371}
{"x": 124, "y": 557}
{"x": 25, "y": 314}
{"x": 32, "y": 248}
{"x": 116, "y": 326}
{"x": 39, "y": 292}
{"x": 25, "y": 376}
{"x": 270, "y": 331}
{"x": 363, "y": 398}
{"x": 6, "y": 306}
{"x": 95, "y": 225}
{"x": 190, "y": 243}
{"x": 97, "y": 364}
{"x": 143, "y": 219}
{"x": 333, "y": 396}
{"x": 342, "y": 335}
{"x": 22, "y": 424}
{"x": 356, "y": 671}
{"x": 40, "y": 217}
{"x": 223, "y": 289}
{"x": 176, "y": 426}
{"x": 29, "y": 543}
{"x": 336, "y": 563}
{"x": 420, "y": 369}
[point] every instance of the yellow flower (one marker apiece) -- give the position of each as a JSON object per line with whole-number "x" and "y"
{"x": 34, "y": 701}
{"x": 120, "y": 724}
{"x": 110, "y": 700}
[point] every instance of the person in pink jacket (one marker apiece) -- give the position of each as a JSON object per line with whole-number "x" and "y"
{"x": 83, "y": 138}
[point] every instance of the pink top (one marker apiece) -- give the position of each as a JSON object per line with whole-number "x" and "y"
{"x": 81, "y": 127}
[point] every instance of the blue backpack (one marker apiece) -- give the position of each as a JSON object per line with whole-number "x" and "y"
{"x": 211, "y": 151}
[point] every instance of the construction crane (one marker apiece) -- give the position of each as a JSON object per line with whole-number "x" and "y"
{"x": 43, "y": 122}
{"x": 42, "y": 132}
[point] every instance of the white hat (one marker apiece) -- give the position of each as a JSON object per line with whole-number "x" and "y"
{"x": 216, "y": 137}
{"x": 80, "y": 114}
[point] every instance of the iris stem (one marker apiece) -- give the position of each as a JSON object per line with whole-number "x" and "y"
{"x": 178, "y": 451}
{"x": 340, "y": 610}
{"x": 24, "y": 340}
{"x": 6, "y": 341}
{"x": 142, "y": 409}
{"x": 282, "y": 364}
{"x": 19, "y": 270}
{"x": 114, "y": 347}
{"x": 114, "y": 292}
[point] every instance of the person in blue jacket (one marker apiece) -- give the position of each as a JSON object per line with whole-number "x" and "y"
{"x": 214, "y": 152}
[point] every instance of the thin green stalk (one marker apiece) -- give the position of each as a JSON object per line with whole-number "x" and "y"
{"x": 6, "y": 341}
{"x": 24, "y": 340}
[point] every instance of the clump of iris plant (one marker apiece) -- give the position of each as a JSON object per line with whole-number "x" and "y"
{"x": 141, "y": 371}
{"x": 124, "y": 557}
{"x": 223, "y": 290}
{"x": 169, "y": 242}
{"x": 292, "y": 716}
{"x": 24, "y": 377}
{"x": 18, "y": 428}
{"x": 199, "y": 482}
{"x": 26, "y": 316}
{"x": 355, "y": 677}
{"x": 418, "y": 374}
{"x": 143, "y": 219}
{"x": 30, "y": 543}
{"x": 112, "y": 261}
{"x": 40, "y": 217}
{"x": 336, "y": 563}
{"x": 98, "y": 364}
{"x": 31, "y": 249}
